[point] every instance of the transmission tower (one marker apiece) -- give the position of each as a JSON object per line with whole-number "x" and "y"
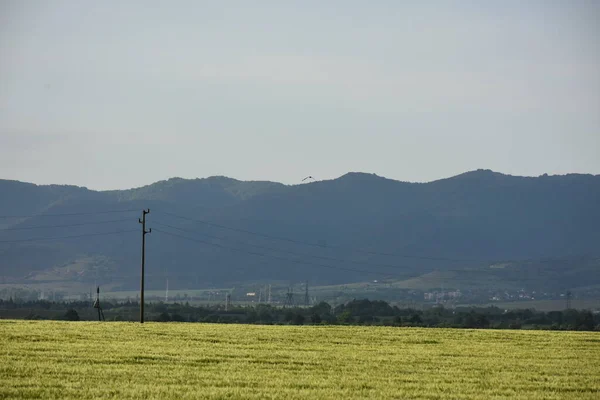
{"x": 568, "y": 300}
{"x": 306, "y": 298}
{"x": 167, "y": 291}
{"x": 269, "y": 295}
{"x": 289, "y": 297}
{"x": 227, "y": 301}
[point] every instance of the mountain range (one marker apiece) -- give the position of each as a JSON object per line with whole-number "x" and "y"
{"x": 536, "y": 231}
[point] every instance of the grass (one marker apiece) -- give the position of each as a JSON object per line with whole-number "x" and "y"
{"x": 67, "y": 360}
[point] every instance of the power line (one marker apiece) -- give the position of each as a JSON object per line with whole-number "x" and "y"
{"x": 67, "y": 237}
{"x": 358, "y": 250}
{"x": 68, "y": 214}
{"x": 276, "y": 257}
{"x": 285, "y": 251}
{"x": 328, "y": 246}
{"x": 65, "y": 226}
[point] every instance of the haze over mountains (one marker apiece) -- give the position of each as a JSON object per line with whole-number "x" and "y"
{"x": 541, "y": 232}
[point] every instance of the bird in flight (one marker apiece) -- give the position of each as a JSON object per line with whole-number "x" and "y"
{"x": 308, "y": 177}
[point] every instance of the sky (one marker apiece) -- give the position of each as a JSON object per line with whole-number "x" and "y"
{"x": 113, "y": 94}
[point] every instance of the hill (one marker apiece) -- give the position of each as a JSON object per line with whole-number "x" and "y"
{"x": 357, "y": 227}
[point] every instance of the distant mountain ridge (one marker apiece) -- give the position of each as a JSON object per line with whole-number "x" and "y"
{"x": 479, "y": 215}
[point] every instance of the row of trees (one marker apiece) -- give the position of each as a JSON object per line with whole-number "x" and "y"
{"x": 356, "y": 312}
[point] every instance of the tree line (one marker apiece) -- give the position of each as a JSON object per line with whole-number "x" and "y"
{"x": 355, "y": 312}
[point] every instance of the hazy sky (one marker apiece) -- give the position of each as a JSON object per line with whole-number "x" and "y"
{"x": 115, "y": 94}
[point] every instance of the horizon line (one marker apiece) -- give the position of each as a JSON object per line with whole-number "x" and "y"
{"x": 480, "y": 170}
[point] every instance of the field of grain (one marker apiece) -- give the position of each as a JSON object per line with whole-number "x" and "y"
{"x": 85, "y": 360}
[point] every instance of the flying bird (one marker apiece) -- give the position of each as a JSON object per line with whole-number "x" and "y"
{"x": 308, "y": 177}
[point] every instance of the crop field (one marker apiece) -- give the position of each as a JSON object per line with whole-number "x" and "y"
{"x": 84, "y": 360}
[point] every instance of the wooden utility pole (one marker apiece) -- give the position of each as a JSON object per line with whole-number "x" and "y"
{"x": 144, "y": 233}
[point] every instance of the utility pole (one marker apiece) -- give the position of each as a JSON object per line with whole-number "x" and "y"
{"x": 97, "y": 305}
{"x": 144, "y": 233}
{"x": 569, "y": 300}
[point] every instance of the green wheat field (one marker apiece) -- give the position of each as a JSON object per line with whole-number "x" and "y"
{"x": 86, "y": 360}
